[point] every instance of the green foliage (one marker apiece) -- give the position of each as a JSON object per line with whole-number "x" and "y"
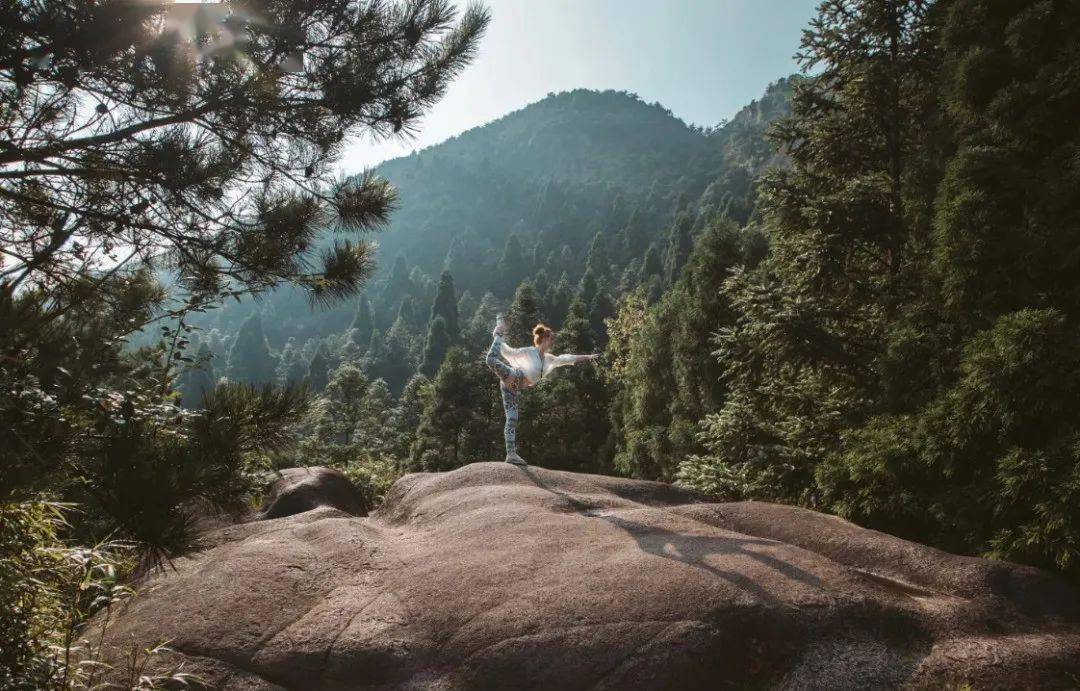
{"x": 48, "y": 590}
{"x": 249, "y": 358}
{"x": 523, "y": 317}
{"x": 357, "y": 427}
{"x": 132, "y": 154}
{"x": 438, "y": 342}
{"x": 662, "y": 359}
{"x": 992, "y": 464}
{"x": 905, "y": 353}
{"x": 459, "y": 423}
{"x": 445, "y": 306}
{"x": 318, "y": 374}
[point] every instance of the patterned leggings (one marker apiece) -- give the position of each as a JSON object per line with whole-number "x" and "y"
{"x": 510, "y": 382}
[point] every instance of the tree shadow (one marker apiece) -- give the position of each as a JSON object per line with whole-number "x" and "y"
{"x": 692, "y": 550}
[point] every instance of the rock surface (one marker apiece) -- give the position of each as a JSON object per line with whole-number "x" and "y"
{"x": 493, "y": 576}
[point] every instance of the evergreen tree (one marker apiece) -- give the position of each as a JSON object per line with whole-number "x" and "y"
{"x": 483, "y": 321}
{"x": 350, "y": 349}
{"x": 601, "y": 308}
{"x": 668, "y": 376}
{"x": 438, "y": 342}
{"x": 466, "y": 306}
{"x": 596, "y": 260}
{"x": 374, "y": 431}
{"x": 456, "y": 422}
{"x": 406, "y": 417}
{"x": 523, "y": 316}
{"x": 446, "y": 307}
{"x": 588, "y": 287}
{"x": 803, "y": 359}
{"x": 249, "y": 358}
{"x": 539, "y": 255}
{"x": 362, "y": 323}
{"x": 407, "y": 314}
{"x": 398, "y": 284}
{"x": 633, "y": 239}
{"x": 390, "y": 358}
{"x": 512, "y": 268}
{"x": 973, "y": 445}
{"x": 319, "y": 369}
{"x": 680, "y": 241}
{"x": 558, "y": 300}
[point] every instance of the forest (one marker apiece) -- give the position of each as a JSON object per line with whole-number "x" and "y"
{"x": 857, "y": 295}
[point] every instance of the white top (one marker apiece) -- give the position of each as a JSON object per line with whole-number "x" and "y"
{"x": 528, "y": 361}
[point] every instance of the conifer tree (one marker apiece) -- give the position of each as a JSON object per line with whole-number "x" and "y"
{"x": 319, "y": 368}
{"x": 398, "y": 283}
{"x": 483, "y": 321}
{"x": 407, "y": 415}
{"x": 456, "y": 416}
{"x": 512, "y": 268}
{"x": 557, "y": 301}
{"x": 249, "y": 358}
{"x": 588, "y": 287}
{"x": 804, "y": 359}
{"x": 438, "y": 342}
{"x": 633, "y": 239}
{"x": 597, "y": 260}
{"x": 362, "y": 323}
{"x": 523, "y": 316}
{"x": 680, "y": 241}
{"x": 466, "y": 306}
{"x": 407, "y": 314}
{"x": 445, "y": 306}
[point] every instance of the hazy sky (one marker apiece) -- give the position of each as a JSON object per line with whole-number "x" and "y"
{"x": 703, "y": 59}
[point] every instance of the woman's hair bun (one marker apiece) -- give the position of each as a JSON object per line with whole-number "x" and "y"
{"x": 540, "y": 332}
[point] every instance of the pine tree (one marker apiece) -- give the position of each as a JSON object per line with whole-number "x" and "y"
{"x": 362, "y": 323}
{"x": 523, "y": 316}
{"x": 669, "y": 377}
{"x": 588, "y": 287}
{"x": 633, "y": 238}
{"x": 483, "y": 321}
{"x": 456, "y": 419}
{"x": 601, "y": 308}
{"x": 407, "y": 314}
{"x": 596, "y": 260}
{"x": 406, "y": 418}
{"x": 319, "y": 369}
{"x": 398, "y": 284}
{"x": 680, "y": 242}
{"x": 445, "y": 306}
{"x": 390, "y": 358}
{"x": 804, "y": 359}
{"x": 512, "y": 268}
{"x": 558, "y": 300}
{"x": 978, "y": 426}
{"x": 438, "y": 342}
{"x": 466, "y": 306}
{"x": 249, "y": 358}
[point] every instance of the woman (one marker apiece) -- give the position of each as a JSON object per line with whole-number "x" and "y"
{"x": 523, "y": 367}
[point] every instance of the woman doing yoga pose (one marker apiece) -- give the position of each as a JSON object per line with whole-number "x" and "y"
{"x": 519, "y": 368}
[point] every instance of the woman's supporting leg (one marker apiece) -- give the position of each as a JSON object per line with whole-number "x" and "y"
{"x": 510, "y": 407}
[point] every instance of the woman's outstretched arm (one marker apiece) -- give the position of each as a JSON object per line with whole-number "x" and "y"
{"x": 569, "y": 359}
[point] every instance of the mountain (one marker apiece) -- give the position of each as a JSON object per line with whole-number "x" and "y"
{"x": 554, "y": 173}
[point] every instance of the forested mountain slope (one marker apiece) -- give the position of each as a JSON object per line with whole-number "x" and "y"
{"x": 553, "y": 175}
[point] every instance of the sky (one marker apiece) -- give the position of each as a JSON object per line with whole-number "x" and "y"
{"x": 702, "y": 59}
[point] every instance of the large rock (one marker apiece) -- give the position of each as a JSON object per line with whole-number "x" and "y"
{"x": 493, "y": 576}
